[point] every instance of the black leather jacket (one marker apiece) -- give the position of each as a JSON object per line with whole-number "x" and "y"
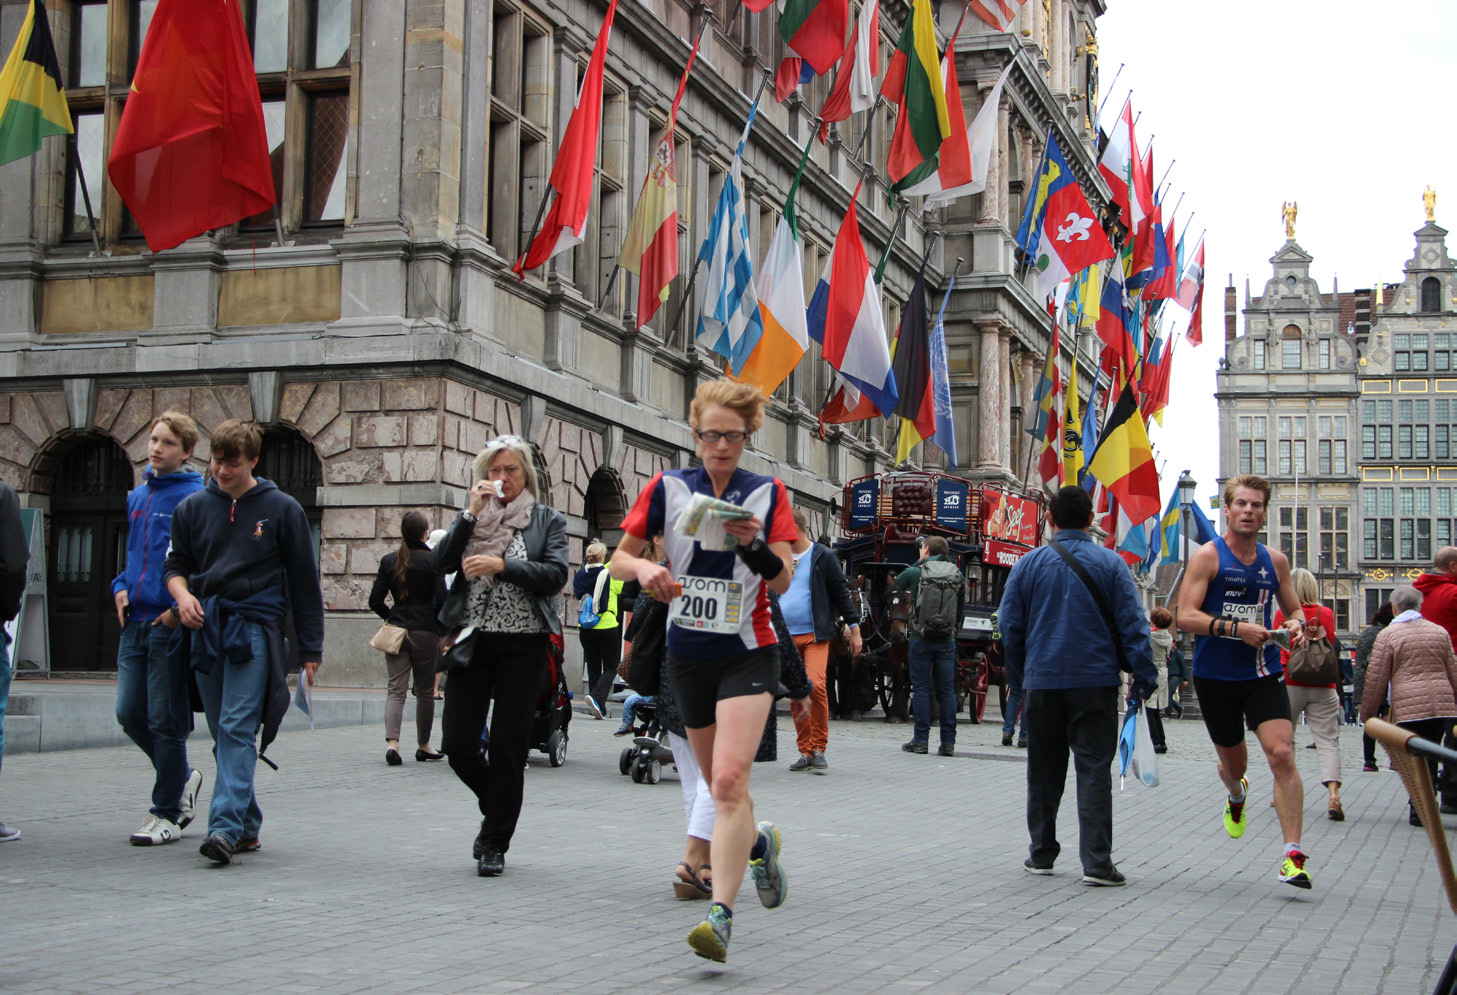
{"x": 544, "y": 572}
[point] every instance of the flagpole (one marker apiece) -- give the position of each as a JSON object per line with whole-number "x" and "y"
{"x": 85, "y": 191}
{"x": 1166, "y": 168}
{"x": 869, "y": 121}
{"x": 1108, "y": 93}
{"x": 900, "y": 215}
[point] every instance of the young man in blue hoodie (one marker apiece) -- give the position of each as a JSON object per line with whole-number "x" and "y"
{"x": 151, "y": 696}
{"x": 234, "y": 545}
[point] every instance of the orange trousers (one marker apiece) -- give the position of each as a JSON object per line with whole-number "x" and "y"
{"x": 814, "y": 733}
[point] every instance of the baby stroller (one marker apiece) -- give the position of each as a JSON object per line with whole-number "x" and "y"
{"x": 554, "y": 708}
{"x": 644, "y": 759}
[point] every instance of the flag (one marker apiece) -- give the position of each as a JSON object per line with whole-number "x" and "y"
{"x": 651, "y": 248}
{"x": 815, "y": 30}
{"x": 191, "y": 153}
{"x": 1170, "y": 529}
{"x": 1047, "y": 413}
{"x": 854, "y": 88}
{"x": 571, "y": 174}
{"x": 1089, "y": 433}
{"x": 916, "y": 403}
{"x": 1157, "y": 392}
{"x": 1165, "y": 283}
{"x": 914, "y": 82}
{"x": 1191, "y": 294}
{"x": 791, "y": 73}
{"x": 1116, "y": 164}
{"x": 945, "y": 435}
{"x": 1037, "y": 412}
{"x": 998, "y": 13}
{"x": 981, "y": 140}
{"x": 1143, "y": 268}
{"x": 854, "y": 330}
{"x": 730, "y": 305}
{"x": 1114, "y": 325}
{"x": 1072, "y": 428}
{"x": 1142, "y": 203}
{"x": 1123, "y": 460}
{"x": 784, "y": 332}
{"x": 32, "y": 96}
{"x": 1060, "y": 232}
{"x": 846, "y": 404}
{"x": 1203, "y": 529}
{"x": 953, "y": 160}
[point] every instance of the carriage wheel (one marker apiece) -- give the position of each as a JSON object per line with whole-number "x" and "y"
{"x": 637, "y": 773}
{"x": 624, "y": 760}
{"x": 556, "y": 747}
{"x": 884, "y": 690}
{"x": 654, "y": 772}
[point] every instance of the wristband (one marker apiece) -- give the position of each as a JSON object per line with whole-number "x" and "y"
{"x": 1211, "y": 625}
{"x": 1235, "y": 633}
{"x": 758, "y": 557}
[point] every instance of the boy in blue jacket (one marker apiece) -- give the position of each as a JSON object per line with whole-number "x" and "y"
{"x": 151, "y": 696}
{"x": 235, "y": 545}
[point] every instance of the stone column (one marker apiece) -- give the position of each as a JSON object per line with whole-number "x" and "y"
{"x": 1003, "y": 195}
{"x": 989, "y": 384}
{"x": 1008, "y": 397}
{"x": 1029, "y": 375}
{"x": 990, "y": 212}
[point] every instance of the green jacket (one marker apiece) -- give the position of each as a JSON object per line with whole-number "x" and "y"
{"x": 909, "y": 580}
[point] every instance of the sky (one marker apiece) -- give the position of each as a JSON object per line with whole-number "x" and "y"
{"x": 1317, "y": 101}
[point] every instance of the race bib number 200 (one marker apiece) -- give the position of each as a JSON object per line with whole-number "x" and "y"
{"x": 708, "y": 604}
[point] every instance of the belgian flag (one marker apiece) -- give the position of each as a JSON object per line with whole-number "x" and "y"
{"x": 32, "y": 104}
{"x": 1123, "y": 461}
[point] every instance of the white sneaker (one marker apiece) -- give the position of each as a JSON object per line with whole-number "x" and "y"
{"x": 188, "y": 805}
{"x": 156, "y": 831}
{"x": 8, "y": 833}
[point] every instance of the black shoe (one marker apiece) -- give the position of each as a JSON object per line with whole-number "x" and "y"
{"x": 1413, "y": 819}
{"x": 422, "y": 756}
{"x": 1021, "y": 742}
{"x": 491, "y": 864}
{"x": 914, "y": 747}
{"x": 1448, "y": 808}
{"x": 217, "y": 849}
{"x": 479, "y": 846}
{"x": 1310, "y": 746}
{"x": 1032, "y": 868}
{"x": 392, "y": 757}
{"x": 1007, "y": 739}
{"x": 1107, "y": 877}
{"x": 946, "y": 750}
{"x": 1161, "y": 749}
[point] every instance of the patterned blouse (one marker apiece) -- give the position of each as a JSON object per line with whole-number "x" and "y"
{"x": 503, "y": 606}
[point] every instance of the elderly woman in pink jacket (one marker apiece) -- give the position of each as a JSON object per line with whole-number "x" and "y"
{"x": 1415, "y": 656}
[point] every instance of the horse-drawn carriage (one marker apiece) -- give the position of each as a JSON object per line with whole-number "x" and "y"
{"x": 987, "y": 527}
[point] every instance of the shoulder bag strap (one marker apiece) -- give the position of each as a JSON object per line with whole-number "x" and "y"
{"x": 1102, "y": 603}
{"x": 602, "y": 577}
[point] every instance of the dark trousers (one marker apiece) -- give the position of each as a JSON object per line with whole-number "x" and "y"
{"x": 1083, "y": 721}
{"x": 1431, "y": 730}
{"x": 1449, "y": 740}
{"x": 511, "y": 668}
{"x": 1155, "y": 727}
{"x": 1368, "y": 743}
{"x": 601, "y": 653}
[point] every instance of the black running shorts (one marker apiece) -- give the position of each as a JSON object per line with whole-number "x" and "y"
{"x": 1223, "y": 703}
{"x": 699, "y": 684}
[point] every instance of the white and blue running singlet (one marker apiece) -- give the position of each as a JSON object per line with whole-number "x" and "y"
{"x": 724, "y": 606}
{"x": 1246, "y": 593}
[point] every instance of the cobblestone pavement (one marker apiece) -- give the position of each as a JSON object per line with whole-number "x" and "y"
{"x": 905, "y": 876}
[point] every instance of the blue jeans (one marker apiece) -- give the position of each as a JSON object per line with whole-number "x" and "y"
{"x": 1014, "y": 708}
{"x": 629, "y": 708}
{"x": 928, "y": 660}
{"x": 152, "y": 707}
{"x": 232, "y": 697}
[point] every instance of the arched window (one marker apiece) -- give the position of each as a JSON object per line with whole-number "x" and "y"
{"x": 1431, "y": 294}
{"x": 289, "y": 460}
{"x": 1290, "y": 347}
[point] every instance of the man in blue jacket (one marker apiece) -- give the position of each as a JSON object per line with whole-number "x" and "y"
{"x": 151, "y": 696}
{"x": 1060, "y": 650}
{"x": 234, "y": 545}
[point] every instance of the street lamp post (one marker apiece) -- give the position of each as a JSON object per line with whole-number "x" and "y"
{"x": 1186, "y": 488}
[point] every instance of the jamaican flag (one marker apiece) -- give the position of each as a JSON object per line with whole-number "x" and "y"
{"x": 32, "y": 104}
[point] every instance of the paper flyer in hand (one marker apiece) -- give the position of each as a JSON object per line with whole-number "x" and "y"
{"x": 303, "y": 698}
{"x": 703, "y": 519}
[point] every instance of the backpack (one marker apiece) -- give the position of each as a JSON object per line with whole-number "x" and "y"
{"x": 591, "y": 612}
{"x": 938, "y": 600}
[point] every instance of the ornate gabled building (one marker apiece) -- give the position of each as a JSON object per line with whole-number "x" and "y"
{"x": 384, "y": 339}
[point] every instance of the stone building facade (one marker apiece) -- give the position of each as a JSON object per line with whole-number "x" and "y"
{"x": 384, "y": 340}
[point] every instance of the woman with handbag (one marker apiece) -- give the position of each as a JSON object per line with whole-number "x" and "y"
{"x": 510, "y": 552}
{"x": 1320, "y": 702}
{"x": 1415, "y": 657}
{"x": 410, "y": 635}
{"x": 722, "y": 657}
{"x": 600, "y": 624}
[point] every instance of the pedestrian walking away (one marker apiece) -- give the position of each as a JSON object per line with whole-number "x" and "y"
{"x": 815, "y": 606}
{"x": 1416, "y": 657}
{"x": 508, "y": 550}
{"x": 416, "y": 593}
{"x": 722, "y": 660}
{"x": 1229, "y": 593}
{"x": 1067, "y": 632}
{"x": 152, "y": 702}
{"x": 14, "y": 555}
{"x": 601, "y": 640}
{"x": 1162, "y": 642}
{"x": 1321, "y": 703}
{"x": 237, "y": 546}
{"x": 935, "y": 588}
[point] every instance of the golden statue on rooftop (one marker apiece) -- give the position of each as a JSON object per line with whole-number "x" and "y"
{"x": 1429, "y": 201}
{"x": 1287, "y": 212}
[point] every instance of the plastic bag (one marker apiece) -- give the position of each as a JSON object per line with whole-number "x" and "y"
{"x": 1145, "y": 761}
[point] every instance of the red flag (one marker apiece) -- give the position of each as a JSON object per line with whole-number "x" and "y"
{"x": 191, "y": 153}
{"x": 1165, "y": 285}
{"x": 571, "y": 175}
{"x": 1191, "y": 294}
{"x": 786, "y": 79}
{"x": 854, "y": 87}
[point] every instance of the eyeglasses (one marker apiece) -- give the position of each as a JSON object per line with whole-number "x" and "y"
{"x": 732, "y": 438}
{"x": 510, "y": 441}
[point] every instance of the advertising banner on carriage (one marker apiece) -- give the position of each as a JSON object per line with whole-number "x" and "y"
{"x": 1001, "y": 554}
{"x": 1008, "y": 517}
{"x": 951, "y": 504}
{"x": 863, "y": 497}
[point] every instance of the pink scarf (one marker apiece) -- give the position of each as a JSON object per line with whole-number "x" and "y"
{"x": 495, "y": 525}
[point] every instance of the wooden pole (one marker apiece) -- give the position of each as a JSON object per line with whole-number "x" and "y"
{"x": 85, "y": 192}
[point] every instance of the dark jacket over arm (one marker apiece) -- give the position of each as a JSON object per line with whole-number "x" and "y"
{"x": 829, "y": 594}
{"x": 14, "y": 554}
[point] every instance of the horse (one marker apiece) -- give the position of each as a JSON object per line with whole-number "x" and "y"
{"x": 851, "y": 680}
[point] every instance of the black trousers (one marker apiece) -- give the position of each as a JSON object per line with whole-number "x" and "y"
{"x": 601, "y": 653}
{"x": 1083, "y": 721}
{"x": 511, "y": 668}
{"x": 1434, "y": 730}
{"x": 1156, "y": 727}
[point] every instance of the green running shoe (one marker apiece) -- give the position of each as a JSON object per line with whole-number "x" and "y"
{"x": 769, "y": 877}
{"x": 709, "y": 939}
{"x": 1293, "y": 871}
{"x": 1234, "y": 813}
